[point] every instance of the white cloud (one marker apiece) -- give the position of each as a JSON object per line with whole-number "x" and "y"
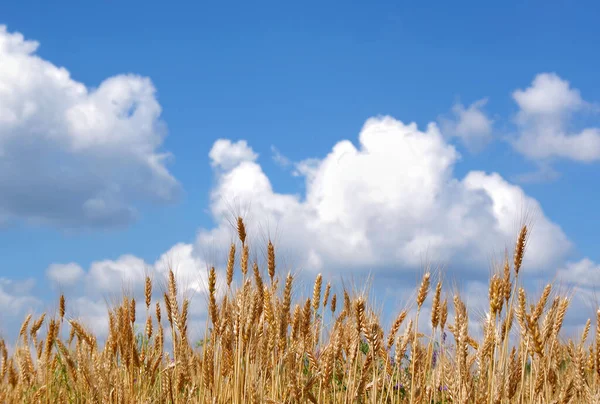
{"x": 92, "y": 312}
{"x": 16, "y": 296}
{"x": 548, "y": 95}
{"x": 544, "y": 172}
{"x": 128, "y": 272}
{"x": 111, "y": 276}
{"x": 470, "y": 124}
{"x": 387, "y": 204}
{"x": 64, "y": 274}
{"x": 74, "y": 156}
{"x": 16, "y": 299}
{"x": 583, "y": 305}
{"x": 584, "y": 273}
{"x": 545, "y": 122}
{"x": 105, "y": 282}
{"x": 226, "y": 155}
{"x": 507, "y": 204}
{"x": 279, "y": 158}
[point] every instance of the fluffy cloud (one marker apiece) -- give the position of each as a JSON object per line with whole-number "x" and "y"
{"x": 583, "y": 273}
{"x": 111, "y": 277}
{"x": 385, "y": 204}
{"x": 471, "y": 125}
{"x": 76, "y": 156}
{"x": 71, "y": 155}
{"x": 16, "y": 299}
{"x": 548, "y": 95}
{"x": 226, "y": 155}
{"x": 16, "y": 296}
{"x": 545, "y": 122}
{"x": 64, "y": 274}
{"x": 105, "y": 281}
{"x": 93, "y": 313}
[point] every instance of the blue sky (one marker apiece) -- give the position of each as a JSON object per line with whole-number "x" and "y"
{"x": 299, "y": 78}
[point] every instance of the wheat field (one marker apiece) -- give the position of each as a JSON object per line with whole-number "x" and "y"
{"x": 263, "y": 346}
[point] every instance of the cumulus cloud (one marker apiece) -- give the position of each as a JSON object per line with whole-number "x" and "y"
{"x": 110, "y": 276}
{"x": 507, "y": 202}
{"x": 128, "y": 272}
{"x": 545, "y": 123}
{"x": 93, "y": 312}
{"x": 16, "y": 296}
{"x": 583, "y": 273}
{"x": 226, "y": 155}
{"x": 470, "y": 124}
{"x": 103, "y": 283}
{"x": 16, "y": 299}
{"x": 64, "y": 274}
{"x": 74, "y": 156}
{"x": 548, "y": 95}
{"x": 386, "y": 204}
{"x": 580, "y": 280}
